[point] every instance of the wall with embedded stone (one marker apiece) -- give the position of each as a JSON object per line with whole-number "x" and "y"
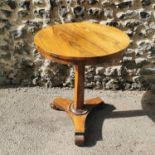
{"x": 21, "y": 64}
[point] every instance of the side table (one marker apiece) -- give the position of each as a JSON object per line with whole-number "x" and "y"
{"x": 80, "y": 44}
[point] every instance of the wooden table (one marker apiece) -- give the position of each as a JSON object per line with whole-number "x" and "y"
{"x": 80, "y": 44}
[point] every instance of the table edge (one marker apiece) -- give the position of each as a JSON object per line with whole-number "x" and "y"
{"x": 87, "y": 61}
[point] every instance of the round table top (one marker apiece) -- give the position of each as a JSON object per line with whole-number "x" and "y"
{"x": 80, "y": 41}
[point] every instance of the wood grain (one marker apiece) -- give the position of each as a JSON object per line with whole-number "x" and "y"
{"x": 78, "y": 120}
{"x": 80, "y": 41}
{"x": 79, "y": 86}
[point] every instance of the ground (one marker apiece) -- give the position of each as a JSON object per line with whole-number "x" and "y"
{"x": 28, "y": 126}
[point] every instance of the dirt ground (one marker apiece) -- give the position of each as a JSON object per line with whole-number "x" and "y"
{"x": 28, "y": 126}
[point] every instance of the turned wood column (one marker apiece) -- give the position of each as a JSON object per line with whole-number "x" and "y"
{"x": 79, "y": 86}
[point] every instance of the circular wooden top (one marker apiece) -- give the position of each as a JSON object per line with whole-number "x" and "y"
{"x": 80, "y": 41}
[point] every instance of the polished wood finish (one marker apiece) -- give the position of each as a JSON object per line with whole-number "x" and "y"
{"x": 80, "y": 44}
{"x": 106, "y": 59}
{"x": 79, "y": 86}
{"x": 81, "y": 41}
{"x": 79, "y": 121}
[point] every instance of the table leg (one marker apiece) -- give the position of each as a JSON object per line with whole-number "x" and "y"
{"x": 78, "y": 104}
{"x": 79, "y": 87}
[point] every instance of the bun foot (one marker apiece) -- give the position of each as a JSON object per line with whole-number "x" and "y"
{"x": 79, "y": 139}
{"x": 55, "y": 107}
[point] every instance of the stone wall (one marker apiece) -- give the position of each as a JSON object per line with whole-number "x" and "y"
{"x": 21, "y": 64}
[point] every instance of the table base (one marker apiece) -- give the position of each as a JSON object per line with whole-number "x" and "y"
{"x": 78, "y": 119}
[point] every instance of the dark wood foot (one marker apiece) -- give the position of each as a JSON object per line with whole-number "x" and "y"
{"x": 79, "y": 139}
